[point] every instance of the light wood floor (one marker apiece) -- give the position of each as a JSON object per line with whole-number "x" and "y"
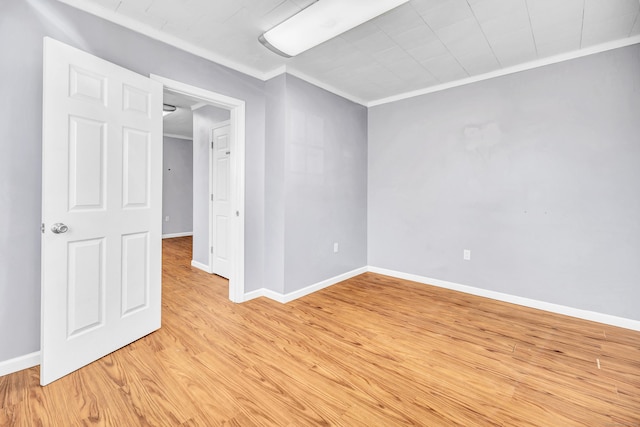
{"x": 371, "y": 351}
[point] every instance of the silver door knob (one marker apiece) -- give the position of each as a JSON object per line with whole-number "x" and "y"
{"x": 59, "y": 228}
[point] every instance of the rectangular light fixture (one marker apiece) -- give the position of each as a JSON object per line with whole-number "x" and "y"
{"x": 322, "y": 21}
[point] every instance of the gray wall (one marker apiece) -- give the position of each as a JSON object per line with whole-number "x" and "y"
{"x": 204, "y": 119}
{"x": 177, "y": 185}
{"x": 537, "y": 173}
{"x": 325, "y": 185}
{"x": 315, "y": 185}
{"x": 23, "y": 24}
{"x": 276, "y": 117}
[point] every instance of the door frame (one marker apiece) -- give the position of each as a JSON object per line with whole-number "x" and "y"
{"x": 237, "y": 131}
{"x": 212, "y": 188}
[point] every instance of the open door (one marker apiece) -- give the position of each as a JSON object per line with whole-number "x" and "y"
{"x": 101, "y": 209}
{"x": 220, "y": 199}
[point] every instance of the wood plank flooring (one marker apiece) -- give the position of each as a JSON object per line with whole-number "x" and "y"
{"x": 370, "y": 351}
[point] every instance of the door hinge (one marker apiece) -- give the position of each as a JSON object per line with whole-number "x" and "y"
{"x": 42, "y": 228}
{"x": 211, "y": 249}
{"x": 212, "y": 197}
{"x": 212, "y": 145}
{"x": 237, "y": 213}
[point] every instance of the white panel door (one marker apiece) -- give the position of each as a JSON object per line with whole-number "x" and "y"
{"x": 102, "y": 175}
{"x": 221, "y": 206}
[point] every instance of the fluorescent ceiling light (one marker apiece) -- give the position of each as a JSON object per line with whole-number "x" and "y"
{"x": 322, "y": 21}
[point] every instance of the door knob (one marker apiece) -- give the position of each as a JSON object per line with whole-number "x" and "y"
{"x": 59, "y": 228}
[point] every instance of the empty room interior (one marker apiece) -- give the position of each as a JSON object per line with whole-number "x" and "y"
{"x": 320, "y": 212}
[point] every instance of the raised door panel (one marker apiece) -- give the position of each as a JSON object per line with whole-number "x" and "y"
{"x": 85, "y": 286}
{"x": 135, "y": 180}
{"x": 222, "y": 179}
{"x": 136, "y": 100}
{"x": 135, "y": 272}
{"x": 87, "y": 86}
{"x": 87, "y": 140}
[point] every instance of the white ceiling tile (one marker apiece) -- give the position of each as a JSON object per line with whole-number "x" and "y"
{"x": 200, "y": 31}
{"x": 375, "y": 42}
{"x": 380, "y": 75}
{"x": 360, "y": 32}
{"x": 216, "y": 12}
{"x": 464, "y": 39}
{"x": 391, "y": 55}
{"x": 279, "y": 13}
{"x": 423, "y": 80}
{"x": 258, "y": 8}
{"x": 410, "y": 71}
{"x": 336, "y": 72}
{"x": 137, "y": 9}
{"x": 303, "y": 3}
{"x": 109, "y": 4}
{"x": 422, "y": 6}
{"x": 636, "y": 28}
{"x": 547, "y": 34}
{"x": 416, "y": 37}
{"x": 460, "y": 31}
{"x": 447, "y": 13}
{"x": 331, "y": 49}
{"x": 399, "y": 20}
{"x": 445, "y": 68}
{"x": 477, "y": 63}
{"x": 514, "y": 48}
{"x": 553, "y": 12}
{"x": 139, "y": 5}
{"x": 501, "y": 25}
{"x": 558, "y": 46}
{"x": 177, "y": 12}
{"x": 611, "y": 29}
{"x": 604, "y": 10}
{"x": 352, "y": 58}
{"x": 487, "y": 10}
{"x": 432, "y": 49}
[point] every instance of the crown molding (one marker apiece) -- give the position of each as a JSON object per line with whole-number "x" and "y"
{"x": 325, "y": 86}
{"x": 275, "y": 72}
{"x": 313, "y": 81}
{"x": 603, "y": 47}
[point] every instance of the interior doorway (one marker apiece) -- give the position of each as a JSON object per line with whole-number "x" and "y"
{"x": 204, "y": 100}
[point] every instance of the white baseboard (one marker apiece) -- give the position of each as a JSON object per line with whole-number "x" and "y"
{"x": 19, "y": 363}
{"x": 285, "y": 298}
{"x": 172, "y": 235}
{"x": 263, "y": 292}
{"x": 200, "y": 266}
{"x": 513, "y": 299}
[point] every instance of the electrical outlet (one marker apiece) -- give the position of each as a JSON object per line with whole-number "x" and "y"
{"x": 466, "y": 255}
{"x": 335, "y": 248}
{"x": 166, "y": 218}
